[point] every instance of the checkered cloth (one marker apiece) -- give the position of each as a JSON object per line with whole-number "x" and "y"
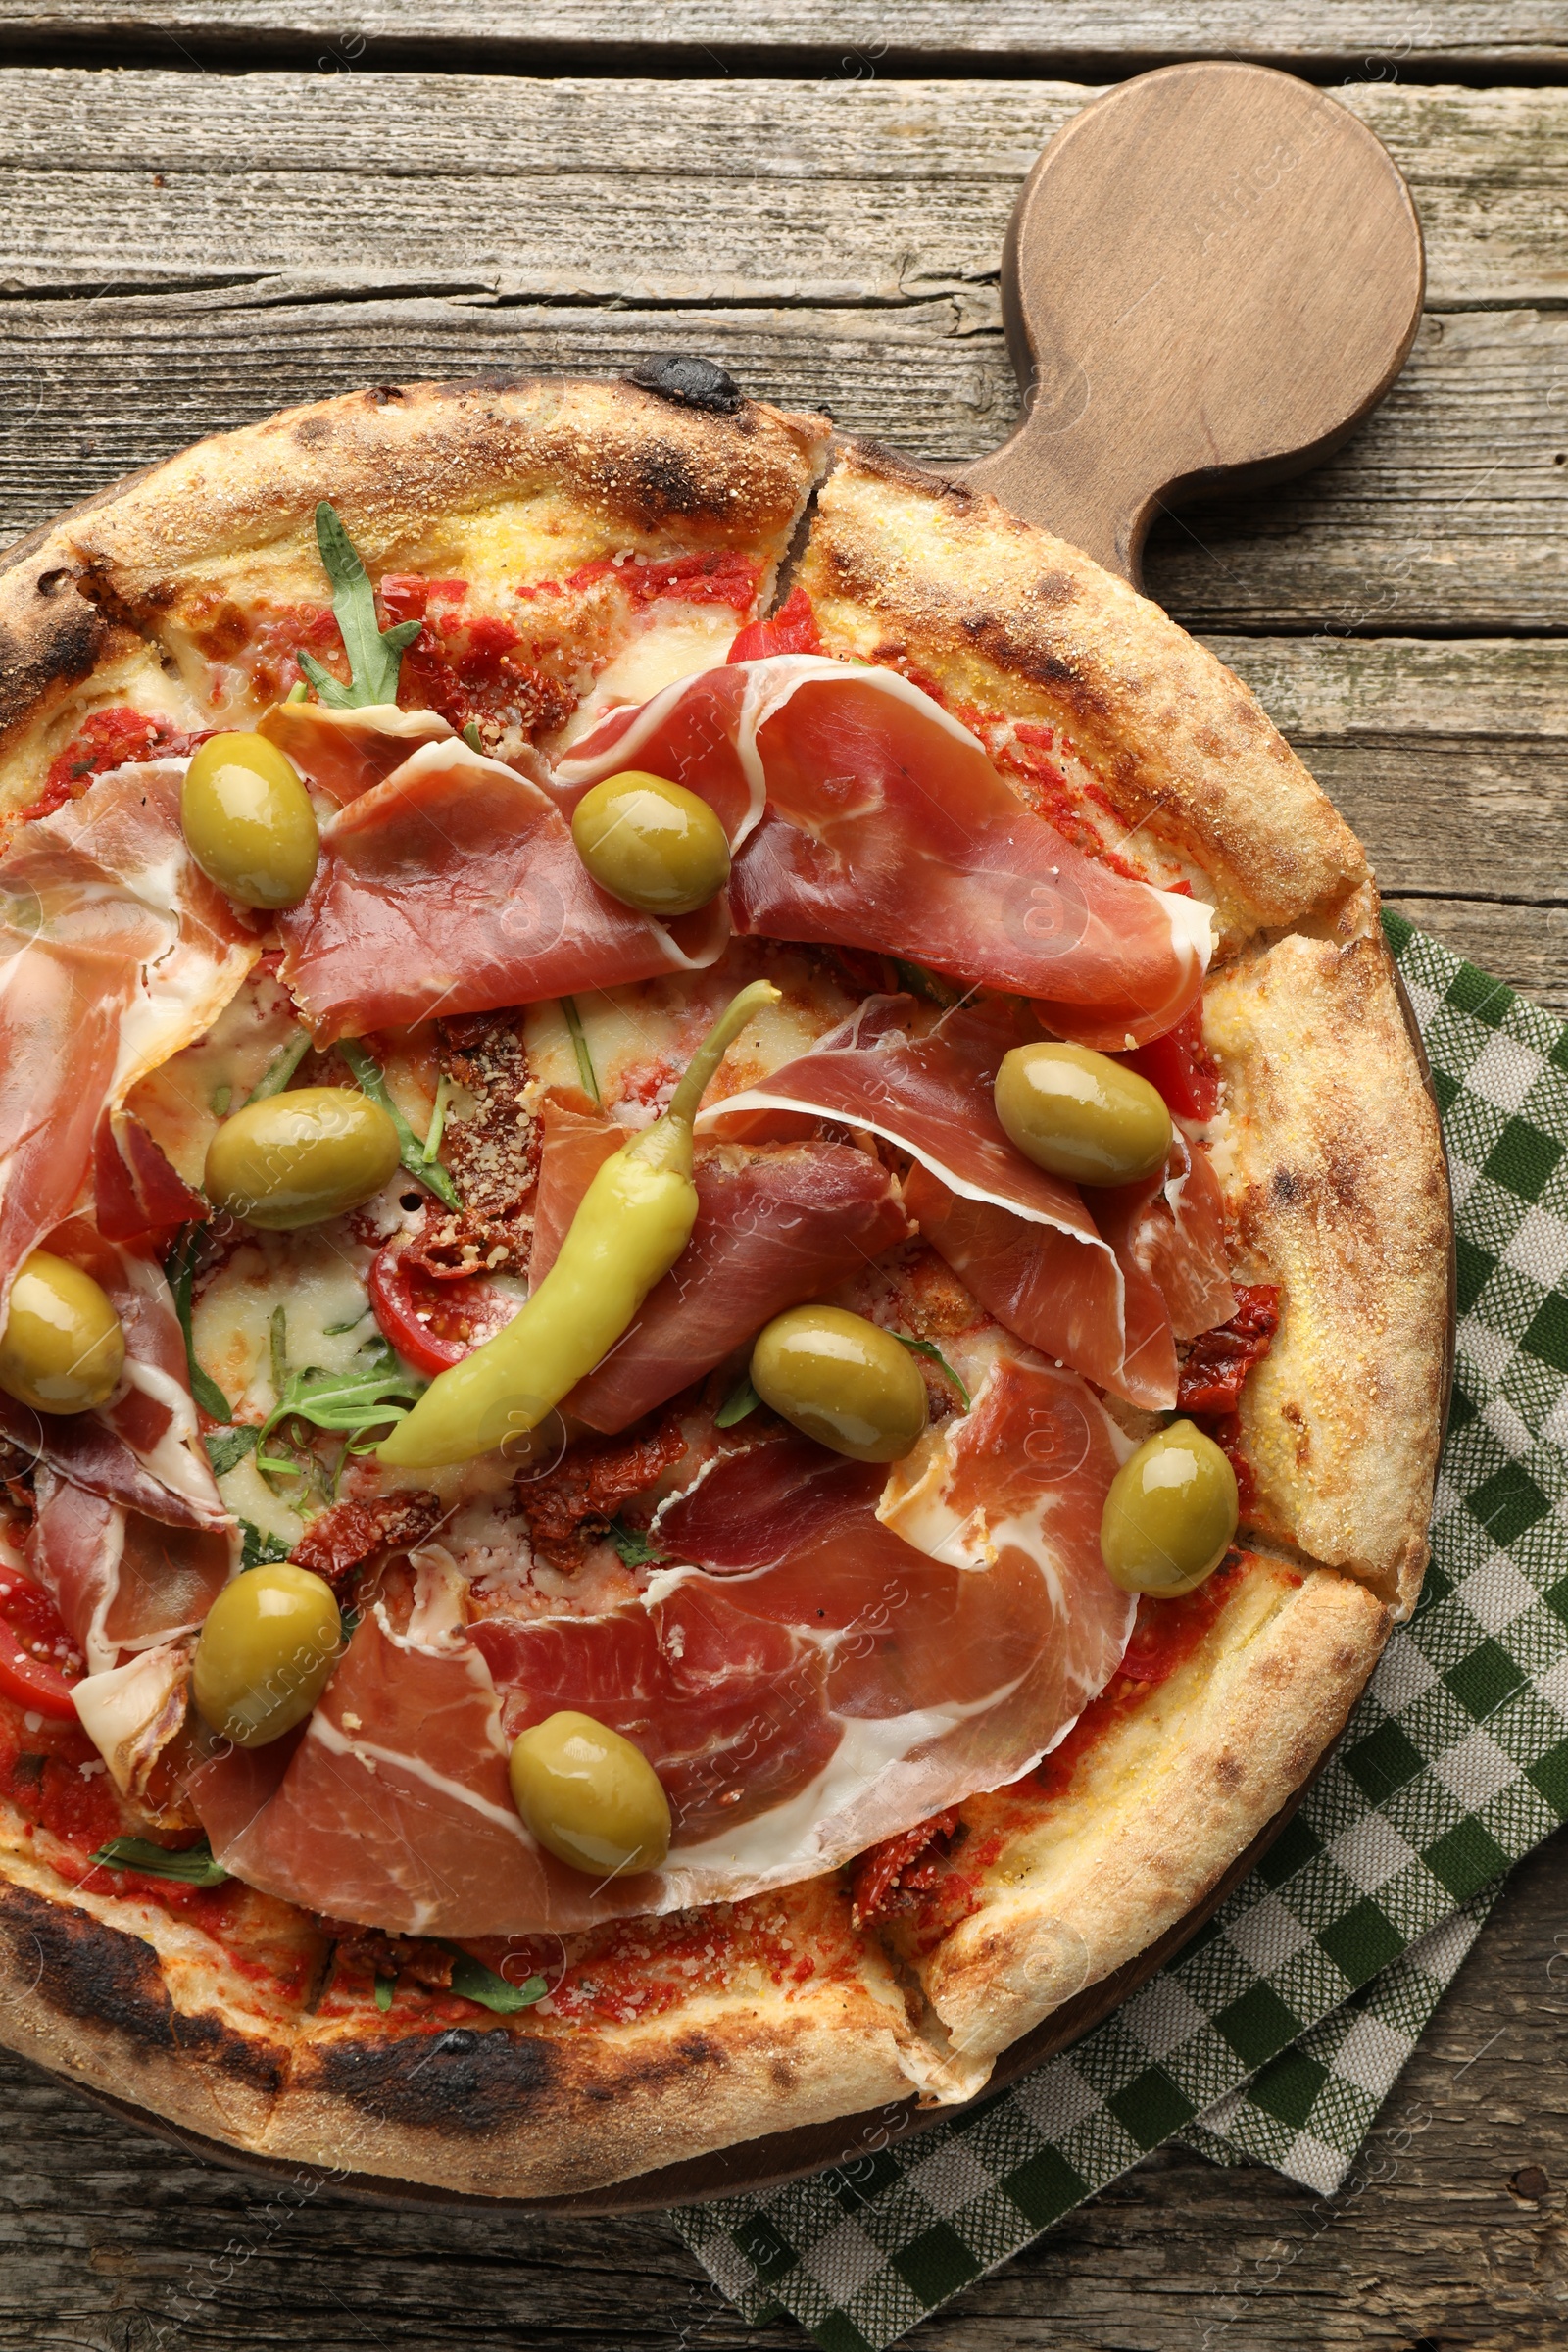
{"x": 1281, "y": 2027}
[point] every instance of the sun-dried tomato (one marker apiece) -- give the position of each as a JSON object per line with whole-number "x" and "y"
{"x": 890, "y": 1877}
{"x": 1210, "y": 1379}
{"x": 574, "y": 1505}
{"x": 345, "y": 1535}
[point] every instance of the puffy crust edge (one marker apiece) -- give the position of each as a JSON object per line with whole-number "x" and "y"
{"x": 480, "y": 2109}
{"x": 1266, "y": 1714}
{"x": 911, "y": 568}
{"x": 394, "y": 460}
{"x": 1338, "y": 1186}
{"x": 491, "y": 2114}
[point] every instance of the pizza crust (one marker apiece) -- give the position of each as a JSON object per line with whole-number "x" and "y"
{"x": 1332, "y": 1164}
{"x": 152, "y": 2012}
{"x": 913, "y": 569}
{"x": 1161, "y": 1808}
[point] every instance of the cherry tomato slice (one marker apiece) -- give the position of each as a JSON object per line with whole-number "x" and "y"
{"x": 1180, "y": 1067}
{"x": 433, "y": 1324}
{"x": 33, "y": 1640}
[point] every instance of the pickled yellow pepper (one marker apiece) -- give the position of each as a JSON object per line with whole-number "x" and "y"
{"x": 630, "y": 1227}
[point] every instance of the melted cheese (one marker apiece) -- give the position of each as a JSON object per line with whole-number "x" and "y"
{"x": 640, "y": 1038}
{"x": 672, "y": 641}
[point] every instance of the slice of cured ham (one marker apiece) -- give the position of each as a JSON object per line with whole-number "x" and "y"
{"x": 115, "y": 952}
{"x": 131, "y": 1538}
{"x": 774, "y": 1228}
{"x": 344, "y": 753}
{"x": 1022, "y": 1239}
{"x": 863, "y": 815}
{"x": 454, "y": 887}
{"x": 914, "y": 1640}
{"x": 120, "y": 1580}
{"x": 143, "y": 1449}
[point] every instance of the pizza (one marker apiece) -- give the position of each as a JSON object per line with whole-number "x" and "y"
{"x": 725, "y": 1273}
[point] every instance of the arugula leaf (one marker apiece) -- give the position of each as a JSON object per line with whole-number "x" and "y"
{"x": 922, "y": 983}
{"x": 226, "y": 1446}
{"x": 633, "y": 1544}
{"x": 737, "y": 1404}
{"x": 181, "y": 1269}
{"x": 222, "y": 1097}
{"x": 375, "y": 655}
{"x": 191, "y": 1865}
{"x": 579, "y": 1044}
{"x": 471, "y": 736}
{"x": 259, "y": 1549}
{"x": 925, "y": 1347}
{"x": 370, "y": 1396}
{"x": 279, "y": 1070}
{"x": 475, "y": 1983}
{"x": 386, "y": 1986}
{"x": 371, "y": 1080}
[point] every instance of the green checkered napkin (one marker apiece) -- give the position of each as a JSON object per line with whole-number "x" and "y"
{"x": 1279, "y": 2030}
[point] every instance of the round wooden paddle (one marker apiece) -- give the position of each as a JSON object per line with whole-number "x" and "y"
{"x": 1212, "y": 276}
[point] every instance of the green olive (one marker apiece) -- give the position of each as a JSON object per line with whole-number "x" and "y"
{"x": 266, "y": 1652}
{"x": 650, "y": 842}
{"x": 841, "y": 1380}
{"x": 1082, "y": 1116}
{"x": 248, "y": 820}
{"x": 1170, "y": 1517}
{"x": 589, "y": 1797}
{"x": 63, "y": 1346}
{"x": 295, "y": 1158}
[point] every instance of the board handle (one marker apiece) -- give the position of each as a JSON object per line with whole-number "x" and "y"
{"x": 1212, "y": 276}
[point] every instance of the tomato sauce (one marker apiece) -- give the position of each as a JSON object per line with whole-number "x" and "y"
{"x": 105, "y": 739}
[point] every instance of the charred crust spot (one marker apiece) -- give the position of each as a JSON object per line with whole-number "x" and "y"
{"x": 666, "y": 482}
{"x": 312, "y": 431}
{"x": 781, "y": 2073}
{"x": 1054, "y": 589}
{"x": 1289, "y": 1189}
{"x": 58, "y": 647}
{"x": 50, "y": 582}
{"x": 462, "y": 2084}
{"x": 695, "y": 383}
{"x": 380, "y": 394}
{"x": 86, "y": 1970}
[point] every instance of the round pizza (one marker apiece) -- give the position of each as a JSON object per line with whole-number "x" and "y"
{"x": 724, "y": 1281}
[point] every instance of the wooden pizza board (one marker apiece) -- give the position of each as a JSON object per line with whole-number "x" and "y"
{"x": 1212, "y": 275}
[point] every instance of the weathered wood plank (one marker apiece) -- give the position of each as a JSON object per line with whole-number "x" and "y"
{"x": 852, "y": 37}
{"x": 1448, "y": 510}
{"x": 1451, "y": 760}
{"x": 769, "y": 191}
{"x": 107, "y": 2236}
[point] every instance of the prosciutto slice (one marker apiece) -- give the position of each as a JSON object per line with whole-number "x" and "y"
{"x": 774, "y": 1228}
{"x": 345, "y": 753}
{"x": 1022, "y": 1239}
{"x": 120, "y": 1580}
{"x": 143, "y": 1449}
{"x": 131, "y": 1536}
{"x": 920, "y": 1639}
{"x": 115, "y": 952}
{"x": 454, "y": 887}
{"x": 863, "y": 815}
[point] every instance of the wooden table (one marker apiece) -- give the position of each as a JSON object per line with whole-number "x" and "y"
{"x": 268, "y": 200}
